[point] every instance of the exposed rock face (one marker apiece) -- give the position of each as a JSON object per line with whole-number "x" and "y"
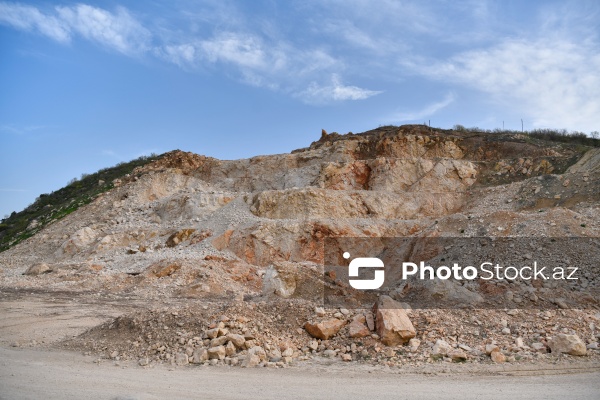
{"x": 179, "y": 237}
{"x": 236, "y": 231}
{"x": 569, "y": 344}
{"x": 78, "y": 241}
{"x": 324, "y": 330}
{"x": 392, "y": 324}
{"x": 287, "y": 279}
{"x": 322, "y": 203}
{"x": 279, "y": 280}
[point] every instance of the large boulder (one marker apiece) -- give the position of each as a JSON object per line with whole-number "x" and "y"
{"x": 569, "y": 344}
{"x": 392, "y": 323}
{"x": 324, "y": 330}
{"x": 357, "y": 328}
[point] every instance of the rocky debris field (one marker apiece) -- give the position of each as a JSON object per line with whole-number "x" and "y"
{"x": 224, "y": 259}
{"x": 292, "y": 332}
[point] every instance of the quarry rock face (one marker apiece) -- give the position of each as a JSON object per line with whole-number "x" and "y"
{"x": 246, "y": 239}
{"x": 239, "y": 221}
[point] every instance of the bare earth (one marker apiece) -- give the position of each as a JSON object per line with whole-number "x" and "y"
{"x": 193, "y": 277}
{"x": 29, "y": 369}
{"x": 36, "y": 374}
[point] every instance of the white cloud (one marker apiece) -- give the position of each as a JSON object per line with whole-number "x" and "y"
{"x": 427, "y": 111}
{"x": 336, "y": 91}
{"x": 255, "y": 60}
{"x": 119, "y": 31}
{"x": 243, "y": 50}
{"x": 554, "y": 82}
{"x": 29, "y": 18}
{"x": 183, "y": 55}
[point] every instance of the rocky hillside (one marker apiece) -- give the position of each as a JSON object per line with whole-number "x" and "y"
{"x": 185, "y": 226}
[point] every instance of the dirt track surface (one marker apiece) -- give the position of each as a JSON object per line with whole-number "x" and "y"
{"x": 35, "y": 374}
{"x": 33, "y": 370}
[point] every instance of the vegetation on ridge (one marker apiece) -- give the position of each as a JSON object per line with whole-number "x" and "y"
{"x": 51, "y": 207}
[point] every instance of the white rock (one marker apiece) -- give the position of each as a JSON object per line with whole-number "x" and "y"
{"x": 569, "y": 344}
{"x": 440, "y": 348}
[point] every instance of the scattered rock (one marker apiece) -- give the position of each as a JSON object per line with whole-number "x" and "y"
{"x": 538, "y": 347}
{"x": 237, "y": 340}
{"x": 357, "y": 328}
{"x": 326, "y": 329}
{"x": 200, "y": 355}
{"x": 217, "y": 352}
{"x": 440, "y": 349}
{"x": 160, "y": 269}
{"x": 181, "y": 359}
{"x": 392, "y": 323}
{"x": 230, "y": 349}
{"x": 38, "y": 269}
{"x": 490, "y": 348}
{"x": 258, "y": 351}
{"x": 414, "y": 344}
{"x": 329, "y": 353}
{"x": 569, "y": 344}
{"x": 178, "y": 237}
{"x": 251, "y": 360}
{"x": 498, "y": 357}
{"x": 370, "y": 321}
{"x": 457, "y": 355}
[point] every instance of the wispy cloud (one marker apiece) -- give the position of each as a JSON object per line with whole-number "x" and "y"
{"x": 20, "y": 130}
{"x": 255, "y": 60}
{"x": 182, "y": 55}
{"x": 118, "y": 31}
{"x": 426, "y": 111}
{"x": 29, "y": 18}
{"x": 336, "y": 91}
{"x": 553, "y": 82}
{"x": 255, "y": 56}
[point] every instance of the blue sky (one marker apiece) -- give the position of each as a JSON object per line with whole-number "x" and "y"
{"x": 86, "y": 85}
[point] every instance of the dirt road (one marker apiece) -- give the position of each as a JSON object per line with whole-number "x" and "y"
{"x": 38, "y": 374}
{"x": 34, "y": 370}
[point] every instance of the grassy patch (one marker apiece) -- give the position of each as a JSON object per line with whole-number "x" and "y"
{"x": 51, "y": 207}
{"x": 554, "y": 135}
